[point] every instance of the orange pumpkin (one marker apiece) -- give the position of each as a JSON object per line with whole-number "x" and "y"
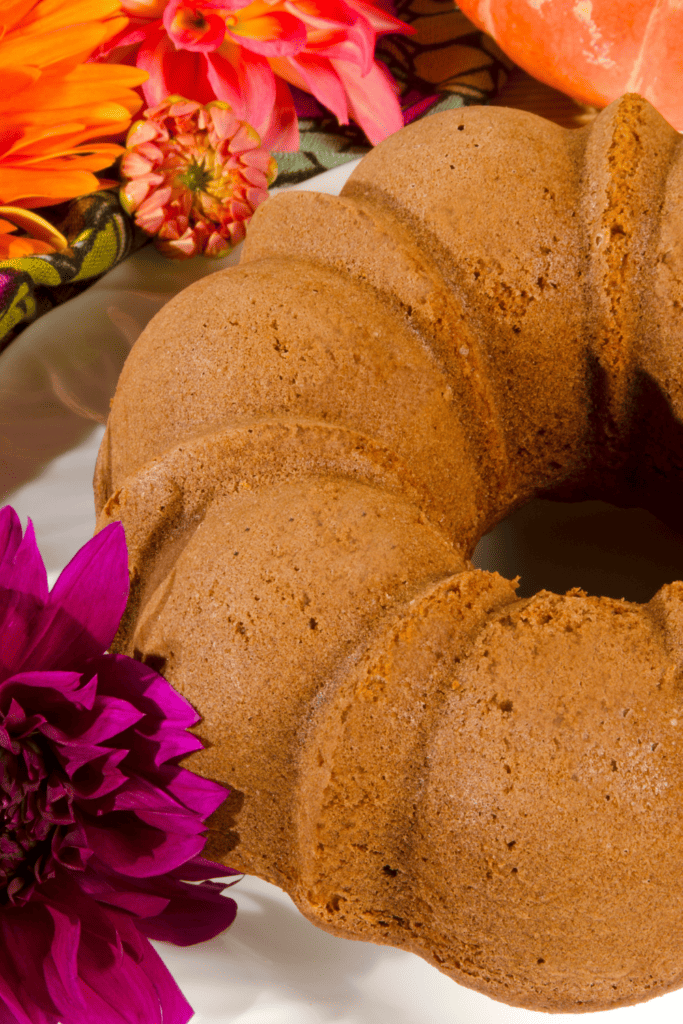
{"x": 594, "y": 50}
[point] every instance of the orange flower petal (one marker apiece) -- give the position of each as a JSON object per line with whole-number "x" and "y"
{"x": 35, "y": 225}
{"x": 84, "y": 158}
{"x": 119, "y": 74}
{"x": 13, "y": 11}
{"x": 15, "y": 80}
{"x": 55, "y": 109}
{"x": 31, "y": 188}
{"x": 87, "y": 161}
{"x": 13, "y": 247}
{"x": 144, "y": 8}
{"x": 42, "y": 50}
{"x": 106, "y": 118}
{"x": 46, "y": 17}
{"x": 66, "y": 93}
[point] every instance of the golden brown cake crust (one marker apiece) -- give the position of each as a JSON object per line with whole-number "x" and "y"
{"x": 304, "y": 451}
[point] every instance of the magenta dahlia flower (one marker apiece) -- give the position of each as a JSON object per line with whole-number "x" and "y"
{"x": 100, "y": 829}
{"x": 249, "y": 52}
{"x": 193, "y": 176}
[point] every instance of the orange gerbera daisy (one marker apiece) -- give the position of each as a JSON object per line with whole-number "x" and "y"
{"x": 54, "y": 108}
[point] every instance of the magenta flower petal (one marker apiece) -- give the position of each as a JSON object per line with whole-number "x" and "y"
{"x": 184, "y": 914}
{"x": 139, "y": 850}
{"x": 61, "y": 967}
{"x": 99, "y": 825}
{"x": 10, "y": 534}
{"x": 52, "y": 691}
{"x": 20, "y": 559}
{"x": 77, "y": 620}
{"x": 25, "y": 941}
{"x": 92, "y": 591}
{"x": 185, "y": 789}
{"x": 140, "y": 991}
{"x": 199, "y": 868}
{"x": 113, "y": 717}
{"x": 196, "y": 914}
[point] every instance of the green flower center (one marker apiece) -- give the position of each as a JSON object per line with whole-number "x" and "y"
{"x": 196, "y": 177}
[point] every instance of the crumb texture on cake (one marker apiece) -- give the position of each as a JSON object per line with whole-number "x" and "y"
{"x": 305, "y": 450}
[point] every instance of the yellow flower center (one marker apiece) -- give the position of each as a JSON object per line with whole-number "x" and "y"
{"x": 190, "y": 19}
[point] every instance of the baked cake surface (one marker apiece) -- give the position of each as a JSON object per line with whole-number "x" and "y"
{"x": 304, "y": 451}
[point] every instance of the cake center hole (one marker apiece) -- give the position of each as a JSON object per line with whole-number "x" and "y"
{"x": 607, "y": 551}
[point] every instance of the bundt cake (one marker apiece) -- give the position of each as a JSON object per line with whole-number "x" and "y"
{"x": 304, "y": 451}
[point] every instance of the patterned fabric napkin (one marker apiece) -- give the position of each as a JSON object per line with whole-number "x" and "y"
{"x": 447, "y": 63}
{"x": 100, "y": 236}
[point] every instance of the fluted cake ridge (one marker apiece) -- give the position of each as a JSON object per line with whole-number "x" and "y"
{"x": 304, "y": 451}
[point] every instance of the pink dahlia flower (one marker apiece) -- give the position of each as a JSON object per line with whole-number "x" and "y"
{"x": 249, "y": 53}
{"x": 100, "y": 829}
{"x": 193, "y": 175}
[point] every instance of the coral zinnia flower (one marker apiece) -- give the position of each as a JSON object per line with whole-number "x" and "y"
{"x": 196, "y": 176}
{"x": 98, "y": 825}
{"x": 246, "y": 52}
{"x": 52, "y": 105}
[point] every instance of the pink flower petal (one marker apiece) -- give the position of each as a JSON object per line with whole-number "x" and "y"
{"x": 381, "y": 21}
{"x": 243, "y": 140}
{"x": 372, "y": 100}
{"x": 150, "y": 222}
{"x": 192, "y": 27}
{"x": 134, "y": 192}
{"x": 95, "y": 777}
{"x": 356, "y": 45}
{"x": 280, "y": 130}
{"x": 317, "y": 76}
{"x": 258, "y": 180}
{"x": 134, "y": 165}
{"x": 142, "y": 131}
{"x": 237, "y": 232}
{"x": 286, "y": 35}
{"x": 328, "y": 16}
{"x": 224, "y": 121}
{"x": 202, "y": 796}
{"x": 257, "y": 158}
{"x": 245, "y": 81}
{"x": 172, "y": 71}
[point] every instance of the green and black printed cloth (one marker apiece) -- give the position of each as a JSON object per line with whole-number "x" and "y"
{"x": 100, "y": 236}
{"x": 446, "y": 63}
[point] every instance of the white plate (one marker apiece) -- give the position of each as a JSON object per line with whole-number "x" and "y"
{"x": 272, "y": 966}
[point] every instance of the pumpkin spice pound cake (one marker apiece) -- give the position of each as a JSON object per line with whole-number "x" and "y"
{"x": 304, "y": 451}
